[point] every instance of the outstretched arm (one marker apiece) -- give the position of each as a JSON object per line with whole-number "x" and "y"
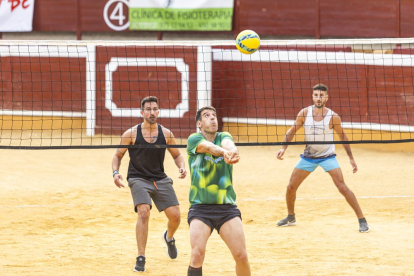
{"x": 229, "y": 145}
{"x": 126, "y": 139}
{"x": 230, "y": 157}
{"x": 300, "y": 120}
{"x": 175, "y": 153}
{"x": 336, "y": 122}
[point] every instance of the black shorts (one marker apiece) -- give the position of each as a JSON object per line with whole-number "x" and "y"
{"x": 213, "y": 215}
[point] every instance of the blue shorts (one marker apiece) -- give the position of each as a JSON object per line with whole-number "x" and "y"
{"x": 308, "y": 164}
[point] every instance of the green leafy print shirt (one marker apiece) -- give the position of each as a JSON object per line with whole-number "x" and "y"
{"x": 211, "y": 177}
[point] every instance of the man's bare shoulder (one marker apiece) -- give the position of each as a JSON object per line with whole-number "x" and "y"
{"x": 335, "y": 120}
{"x": 303, "y": 112}
{"x": 335, "y": 115}
{"x": 165, "y": 130}
{"x": 167, "y": 133}
{"x": 130, "y": 132}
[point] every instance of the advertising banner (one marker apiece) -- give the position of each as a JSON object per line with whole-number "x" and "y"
{"x": 181, "y": 15}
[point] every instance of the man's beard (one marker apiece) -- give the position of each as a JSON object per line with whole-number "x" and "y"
{"x": 151, "y": 121}
{"x": 321, "y": 105}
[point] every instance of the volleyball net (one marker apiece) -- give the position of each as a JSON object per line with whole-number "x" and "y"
{"x": 69, "y": 94}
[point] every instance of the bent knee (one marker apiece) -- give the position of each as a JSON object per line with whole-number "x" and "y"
{"x": 143, "y": 212}
{"x": 175, "y": 217}
{"x": 197, "y": 255}
{"x": 241, "y": 256}
{"x": 343, "y": 189}
{"x": 290, "y": 188}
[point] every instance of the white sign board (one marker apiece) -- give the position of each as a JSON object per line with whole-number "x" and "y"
{"x": 16, "y": 15}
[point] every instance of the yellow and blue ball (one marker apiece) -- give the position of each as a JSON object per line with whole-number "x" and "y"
{"x": 248, "y": 42}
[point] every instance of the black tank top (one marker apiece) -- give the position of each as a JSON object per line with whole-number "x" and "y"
{"x": 147, "y": 163}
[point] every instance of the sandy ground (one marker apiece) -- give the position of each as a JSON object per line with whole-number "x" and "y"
{"x": 61, "y": 214}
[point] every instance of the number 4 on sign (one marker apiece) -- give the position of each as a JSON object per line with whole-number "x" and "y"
{"x": 116, "y": 19}
{"x": 118, "y": 14}
{"x": 16, "y": 3}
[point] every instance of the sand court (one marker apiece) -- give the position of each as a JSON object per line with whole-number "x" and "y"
{"x": 61, "y": 214}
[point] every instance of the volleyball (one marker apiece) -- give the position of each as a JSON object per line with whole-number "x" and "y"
{"x": 248, "y": 42}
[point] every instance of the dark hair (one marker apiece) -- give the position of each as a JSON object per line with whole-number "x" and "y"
{"x": 198, "y": 115}
{"x": 149, "y": 99}
{"x": 321, "y": 87}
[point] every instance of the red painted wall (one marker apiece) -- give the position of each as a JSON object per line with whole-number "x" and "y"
{"x": 33, "y": 83}
{"x": 51, "y": 15}
{"x": 355, "y": 18}
{"x": 277, "y": 17}
{"x": 407, "y": 18}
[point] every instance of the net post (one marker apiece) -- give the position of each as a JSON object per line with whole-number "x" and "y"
{"x": 204, "y": 75}
{"x": 90, "y": 90}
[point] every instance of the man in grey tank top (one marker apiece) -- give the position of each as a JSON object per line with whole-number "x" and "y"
{"x": 319, "y": 123}
{"x": 147, "y": 179}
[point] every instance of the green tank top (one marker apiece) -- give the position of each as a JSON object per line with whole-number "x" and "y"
{"x": 211, "y": 177}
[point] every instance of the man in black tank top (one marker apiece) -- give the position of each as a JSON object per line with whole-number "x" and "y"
{"x": 147, "y": 179}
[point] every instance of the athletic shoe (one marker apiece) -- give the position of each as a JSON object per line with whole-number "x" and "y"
{"x": 287, "y": 221}
{"x": 140, "y": 264}
{"x": 363, "y": 227}
{"x": 172, "y": 251}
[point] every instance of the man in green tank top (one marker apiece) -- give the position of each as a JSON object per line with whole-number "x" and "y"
{"x": 211, "y": 156}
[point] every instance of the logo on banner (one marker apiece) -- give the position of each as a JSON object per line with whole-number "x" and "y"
{"x": 16, "y": 15}
{"x": 16, "y": 3}
{"x": 116, "y": 14}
